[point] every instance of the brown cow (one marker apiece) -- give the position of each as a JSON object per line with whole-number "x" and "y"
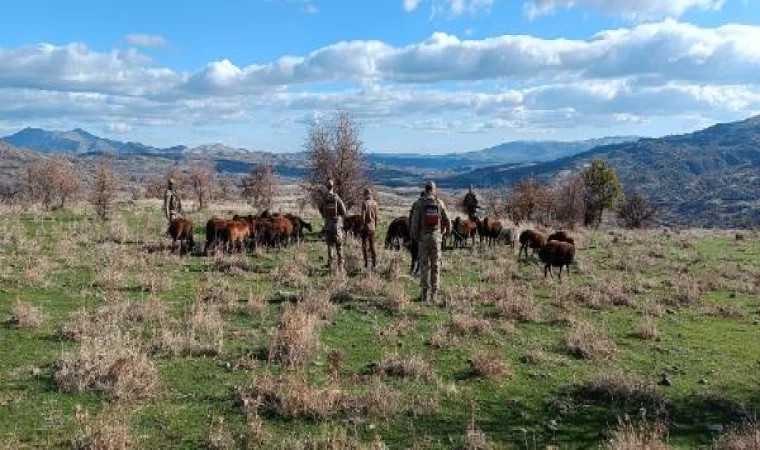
{"x": 463, "y": 230}
{"x": 532, "y": 239}
{"x": 352, "y": 224}
{"x": 230, "y": 233}
{"x": 398, "y": 233}
{"x": 490, "y": 230}
{"x": 181, "y": 230}
{"x": 557, "y": 254}
{"x": 561, "y": 236}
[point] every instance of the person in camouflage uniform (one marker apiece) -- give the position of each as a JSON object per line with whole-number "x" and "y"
{"x": 172, "y": 203}
{"x": 471, "y": 203}
{"x": 369, "y": 224}
{"x": 332, "y": 209}
{"x": 429, "y": 218}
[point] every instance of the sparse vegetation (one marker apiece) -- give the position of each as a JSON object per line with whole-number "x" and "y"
{"x": 266, "y": 349}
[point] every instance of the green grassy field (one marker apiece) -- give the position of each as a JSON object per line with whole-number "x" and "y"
{"x": 110, "y": 341}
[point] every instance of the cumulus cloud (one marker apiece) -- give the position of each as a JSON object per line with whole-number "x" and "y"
{"x": 146, "y": 40}
{"x": 631, "y": 9}
{"x": 620, "y": 76}
{"x": 118, "y": 128}
{"x": 411, "y": 5}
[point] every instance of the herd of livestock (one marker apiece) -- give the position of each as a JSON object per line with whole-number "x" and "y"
{"x": 275, "y": 230}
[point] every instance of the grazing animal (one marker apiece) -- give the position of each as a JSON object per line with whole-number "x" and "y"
{"x": 557, "y": 254}
{"x": 181, "y": 229}
{"x": 490, "y": 230}
{"x": 561, "y": 236}
{"x": 231, "y": 233}
{"x": 352, "y": 224}
{"x": 283, "y": 230}
{"x": 299, "y": 225}
{"x": 463, "y": 230}
{"x": 532, "y": 239}
{"x": 414, "y": 251}
{"x": 397, "y": 234}
{"x": 507, "y": 236}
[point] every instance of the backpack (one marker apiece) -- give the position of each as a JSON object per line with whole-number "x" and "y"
{"x": 369, "y": 214}
{"x": 431, "y": 213}
{"x": 331, "y": 206}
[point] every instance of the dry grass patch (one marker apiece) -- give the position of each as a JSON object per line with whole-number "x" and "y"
{"x": 292, "y": 397}
{"x": 637, "y": 436}
{"x": 726, "y": 311}
{"x": 622, "y": 389}
{"x": 685, "y": 292}
{"x": 26, "y": 315}
{"x": 742, "y": 438}
{"x": 201, "y": 332}
{"x": 488, "y": 365}
{"x": 518, "y": 306}
{"x": 317, "y": 302}
{"x": 646, "y": 330}
{"x": 107, "y": 431}
{"x": 587, "y": 342}
{"x": 296, "y": 342}
{"x": 377, "y": 400}
{"x": 294, "y": 272}
{"x": 410, "y": 366}
{"x": 466, "y": 325}
{"x": 113, "y": 364}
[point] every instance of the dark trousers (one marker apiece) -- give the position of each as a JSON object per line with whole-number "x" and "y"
{"x": 368, "y": 247}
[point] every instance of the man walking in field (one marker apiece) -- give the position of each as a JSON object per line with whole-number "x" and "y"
{"x": 369, "y": 224}
{"x": 471, "y": 203}
{"x": 332, "y": 209}
{"x": 429, "y": 218}
{"x": 172, "y": 203}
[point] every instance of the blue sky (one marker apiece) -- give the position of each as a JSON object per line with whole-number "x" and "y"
{"x": 419, "y": 75}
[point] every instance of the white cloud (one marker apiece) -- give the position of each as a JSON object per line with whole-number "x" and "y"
{"x": 146, "y": 40}
{"x": 118, "y": 128}
{"x": 440, "y": 85}
{"x": 631, "y": 9}
{"x": 451, "y": 8}
{"x": 411, "y": 5}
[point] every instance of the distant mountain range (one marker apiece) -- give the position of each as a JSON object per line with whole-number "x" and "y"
{"x": 81, "y": 142}
{"x": 706, "y": 178}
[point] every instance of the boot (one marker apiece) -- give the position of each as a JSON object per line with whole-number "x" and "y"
{"x": 424, "y": 296}
{"x": 431, "y": 297}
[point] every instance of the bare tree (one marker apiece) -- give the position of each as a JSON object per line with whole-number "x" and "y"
{"x": 104, "y": 189}
{"x": 529, "y": 200}
{"x": 335, "y": 150}
{"x": 50, "y": 180}
{"x": 259, "y": 185}
{"x": 569, "y": 201}
{"x": 636, "y": 211}
{"x": 225, "y": 188}
{"x": 202, "y": 179}
{"x": 493, "y": 202}
{"x": 63, "y": 178}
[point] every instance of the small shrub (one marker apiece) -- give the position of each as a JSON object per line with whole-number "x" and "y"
{"x": 112, "y": 364}
{"x": 413, "y": 366}
{"x": 296, "y": 341}
{"x": 26, "y": 315}
{"x": 586, "y": 342}
{"x": 293, "y": 398}
{"x": 633, "y": 436}
{"x": 521, "y": 307}
{"x": 107, "y": 431}
{"x": 489, "y": 365}
{"x": 742, "y": 438}
{"x": 378, "y": 400}
{"x": 294, "y": 272}
{"x": 646, "y": 330}
{"x": 466, "y": 325}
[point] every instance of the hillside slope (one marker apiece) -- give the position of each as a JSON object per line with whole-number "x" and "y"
{"x": 707, "y": 178}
